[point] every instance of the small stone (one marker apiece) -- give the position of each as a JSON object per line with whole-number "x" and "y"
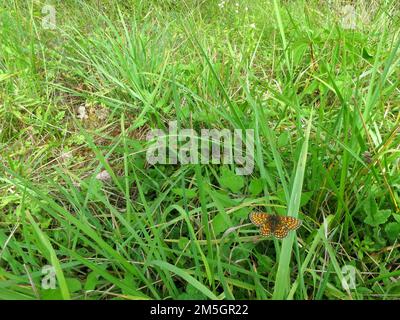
{"x": 103, "y": 176}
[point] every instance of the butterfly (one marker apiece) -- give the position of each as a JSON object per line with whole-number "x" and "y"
{"x": 273, "y": 224}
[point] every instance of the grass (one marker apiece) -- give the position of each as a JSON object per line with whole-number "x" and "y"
{"x": 78, "y": 101}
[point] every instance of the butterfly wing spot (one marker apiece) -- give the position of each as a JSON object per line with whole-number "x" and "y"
{"x": 258, "y": 218}
{"x": 291, "y": 223}
{"x": 281, "y": 231}
{"x": 265, "y": 230}
{"x": 278, "y": 226}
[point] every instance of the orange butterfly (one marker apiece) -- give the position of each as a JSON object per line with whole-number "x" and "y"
{"x": 272, "y": 224}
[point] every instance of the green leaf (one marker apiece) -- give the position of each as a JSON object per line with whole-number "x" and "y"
{"x": 182, "y": 242}
{"x": 370, "y": 206}
{"x": 242, "y": 213}
{"x": 378, "y": 218}
{"x": 256, "y": 187}
{"x": 219, "y": 223}
{"x": 230, "y": 180}
{"x": 189, "y": 193}
{"x": 129, "y": 281}
{"x": 283, "y": 139}
{"x": 396, "y": 217}
{"x": 366, "y": 55}
{"x": 91, "y": 281}
{"x": 305, "y": 197}
{"x": 51, "y": 294}
{"x": 74, "y": 285}
{"x": 222, "y": 198}
{"x": 393, "y": 230}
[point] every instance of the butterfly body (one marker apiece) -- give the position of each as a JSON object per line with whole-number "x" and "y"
{"x": 274, "y": 225}
{"x": 273, "y": 221}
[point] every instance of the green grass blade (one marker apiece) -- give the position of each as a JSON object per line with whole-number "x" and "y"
{"x": 282, "y": 281}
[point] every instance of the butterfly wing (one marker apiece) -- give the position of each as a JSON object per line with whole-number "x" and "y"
{"x": 291, "y": 223}
{"x": 266, "y": 230}
{"x": 280, "y": 231}
{"x": 258, "y": 218}
{"x": 278, "y": 227}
